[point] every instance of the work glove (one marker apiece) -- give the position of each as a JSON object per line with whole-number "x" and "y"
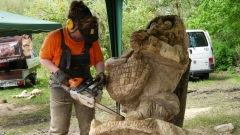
{"x": 61, "y": 77}
{"x": 102, "y": 77}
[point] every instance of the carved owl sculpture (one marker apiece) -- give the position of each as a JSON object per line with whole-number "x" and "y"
{"x": 143, "y": 79}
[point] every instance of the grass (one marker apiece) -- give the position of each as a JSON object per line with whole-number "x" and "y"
{"x": 207, "y": 122}
{"x": 27, "y": 123}
{"x": 8, "y": 92}
{"x": 220, "y": 92}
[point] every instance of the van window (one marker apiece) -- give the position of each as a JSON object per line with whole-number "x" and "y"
{"x": 197, "y": 39}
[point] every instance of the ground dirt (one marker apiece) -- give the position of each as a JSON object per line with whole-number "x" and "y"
{"x": 10, "y": 109}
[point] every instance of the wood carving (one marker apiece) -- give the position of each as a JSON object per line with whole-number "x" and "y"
{"x": 143, "y": 79}
{"x": 8, "y": 47}
{"x": 6, "y": 50}
{"x": 137, "y": 127}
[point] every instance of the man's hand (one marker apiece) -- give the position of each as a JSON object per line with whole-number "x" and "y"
{"x": 61, "y": 77}
{"x": 98, "y": 98}
{"x": 102, "y": 78}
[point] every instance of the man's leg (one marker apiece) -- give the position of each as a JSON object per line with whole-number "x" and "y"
{"x": 61, "y": 109}
{"x": 84, "y": 115}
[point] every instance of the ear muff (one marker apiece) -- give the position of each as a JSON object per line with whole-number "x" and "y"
{"x": 69, "y": 24}
{"x": 77, "y": 17}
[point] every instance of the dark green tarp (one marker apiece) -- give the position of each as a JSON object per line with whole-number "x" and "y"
{"x": 14, "y": 24}
{"x": 114, "y": 14}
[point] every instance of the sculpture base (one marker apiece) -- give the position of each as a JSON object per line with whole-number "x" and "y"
{"x": 137, "y": 127}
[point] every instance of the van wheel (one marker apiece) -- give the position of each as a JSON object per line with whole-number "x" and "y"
{"x": 204, "y": 76}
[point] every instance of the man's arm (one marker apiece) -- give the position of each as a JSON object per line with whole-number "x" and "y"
{"x": 99, "y": 67}
{"x": 48, "y": 65}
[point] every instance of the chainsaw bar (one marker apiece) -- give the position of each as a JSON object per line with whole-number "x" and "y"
{"x": 106, "y": 109}
{"x": 91, "y": 102}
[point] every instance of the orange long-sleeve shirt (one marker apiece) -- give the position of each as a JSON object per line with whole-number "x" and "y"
{"x": 51, "y": 48}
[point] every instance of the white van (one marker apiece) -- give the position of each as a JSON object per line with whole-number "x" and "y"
{"x": 201, "y": 53}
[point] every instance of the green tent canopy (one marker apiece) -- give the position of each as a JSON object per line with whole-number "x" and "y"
{"x": 114, "y": 14}
{"x": 14, "y": 24}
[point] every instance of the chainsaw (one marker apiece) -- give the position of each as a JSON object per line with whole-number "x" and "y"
{"x": 88, "y": 93}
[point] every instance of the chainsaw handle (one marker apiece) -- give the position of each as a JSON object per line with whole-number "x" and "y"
{"x": 85, "y": 87}
{"x": 97, "y": 85}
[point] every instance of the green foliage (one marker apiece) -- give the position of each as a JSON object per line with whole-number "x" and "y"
{"x": 38, "y": 40}
{"x": 238, "y": 56}
{"x": 224, "y": 55}
{"x": 53, "y": 11}
{"x": 136, "y": 16}
{"x": 45, "y": 10}
{"x": 14, "y": 6}
{"x": 221, "y": 19}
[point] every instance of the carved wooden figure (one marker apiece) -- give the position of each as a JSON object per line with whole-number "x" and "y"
{"x": 143, "y": 79}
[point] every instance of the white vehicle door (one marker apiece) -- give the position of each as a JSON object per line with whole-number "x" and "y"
{"x": 199, "y": 50}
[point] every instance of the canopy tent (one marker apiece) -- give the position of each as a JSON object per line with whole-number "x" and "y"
{"x": 114, "y": 14}
{"x": 14, "y": 24}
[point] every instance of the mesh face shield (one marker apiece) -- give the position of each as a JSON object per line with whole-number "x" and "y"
{"x": 89, "y": 33}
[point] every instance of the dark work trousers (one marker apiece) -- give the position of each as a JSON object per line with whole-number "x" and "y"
{"x": 61, "y": 104}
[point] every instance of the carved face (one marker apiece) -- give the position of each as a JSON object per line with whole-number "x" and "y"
{"x": 26, "y": 45}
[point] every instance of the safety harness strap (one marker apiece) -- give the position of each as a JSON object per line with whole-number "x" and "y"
{"x": 65, "y": 50}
